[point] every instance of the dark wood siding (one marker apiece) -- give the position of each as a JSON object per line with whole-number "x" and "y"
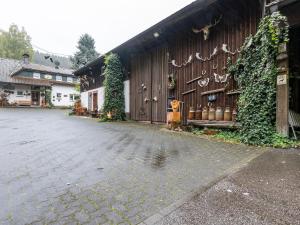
{"x": 231, "y": 31}
{"x": 153, "y": 67}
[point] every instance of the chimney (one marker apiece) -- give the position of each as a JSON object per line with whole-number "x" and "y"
{"x": 26, "y": 58}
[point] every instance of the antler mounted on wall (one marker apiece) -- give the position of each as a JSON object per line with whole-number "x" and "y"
{"x": 205, "y": 29}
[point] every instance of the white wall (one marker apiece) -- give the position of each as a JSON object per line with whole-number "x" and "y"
{"x": 65, "y": 95}
{"x": 85, "y": 97}
{"x": 127, "y": 95}
{"x": 26, "y": 89}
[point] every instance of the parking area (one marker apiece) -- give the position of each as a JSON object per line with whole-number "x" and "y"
{"x": 56, "y": 169}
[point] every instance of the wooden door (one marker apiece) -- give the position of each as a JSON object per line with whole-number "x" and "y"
{"x": 95, "y": 101}
{"x": 148, "y": 86}
{"x": 140, "y": 88}
{"x": 159, "y": 84}
{"x": 35, "y": 97}
{"x": 90, "y": 102}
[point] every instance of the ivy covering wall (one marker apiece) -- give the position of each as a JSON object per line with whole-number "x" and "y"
{"x": 256, "y": 73}
{"x": 114, "y": 100}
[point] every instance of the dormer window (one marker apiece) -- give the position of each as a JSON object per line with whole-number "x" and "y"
{"x": 58, "y": 78}
{"x": 69, "y": 79}
{"x": 36, "y": 75}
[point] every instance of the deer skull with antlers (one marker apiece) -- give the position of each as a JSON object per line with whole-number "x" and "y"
{"x": 205, "y": 29}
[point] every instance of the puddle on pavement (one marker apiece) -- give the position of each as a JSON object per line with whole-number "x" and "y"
{"x": 159, "y": 160}
{"x": 25, "y": 142}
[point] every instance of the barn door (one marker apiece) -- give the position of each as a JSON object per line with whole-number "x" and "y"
{"x": 148, "y": 86}
{"x": 159, "y": 84}
{"x": 140, "y": 94}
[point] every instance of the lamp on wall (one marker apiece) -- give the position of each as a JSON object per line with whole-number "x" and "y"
{"x": 156, "y": 34}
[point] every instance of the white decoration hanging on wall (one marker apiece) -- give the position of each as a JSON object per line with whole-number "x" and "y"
{"x": 207, "y": 58}
{"x": 221, "y": 78}
{"x": 225, "y": 49}
{"x": 203, "y": 82}
{"x": 206, "y": 29}
{"x": 190, "y": 59}
{"x": 174, "y": 63}
{"x": 215, "y": 67}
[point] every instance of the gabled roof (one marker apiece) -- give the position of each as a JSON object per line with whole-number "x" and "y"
{"x": 42, "y": 68}
{"x": 10, "y": 67}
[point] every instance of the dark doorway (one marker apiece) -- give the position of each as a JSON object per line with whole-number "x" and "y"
{"x": 294, "y": 64}
{"x": 35, "y": 96}
{"x": 95, "y": 101}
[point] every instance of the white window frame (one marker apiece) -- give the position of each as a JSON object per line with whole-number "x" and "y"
{"x": 58, "y": 78}
{"x": 36, "y": 75}
{"x": 18, "y": 95}
{"x": 70, "y": 79}
{"x": 48, "y": 76}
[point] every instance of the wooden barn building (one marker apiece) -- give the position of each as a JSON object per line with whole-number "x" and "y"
{"x": 193, "y": 46}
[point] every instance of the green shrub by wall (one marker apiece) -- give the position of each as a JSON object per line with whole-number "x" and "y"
{"x": 256, "y": 73}
{"x": 114, "y": 100}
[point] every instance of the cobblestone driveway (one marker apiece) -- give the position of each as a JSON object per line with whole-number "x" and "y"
{"x": 56, "y": 169}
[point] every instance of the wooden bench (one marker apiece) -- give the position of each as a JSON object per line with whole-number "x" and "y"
{"x": 294, "y": 121}
{"x": 23, "y": 102}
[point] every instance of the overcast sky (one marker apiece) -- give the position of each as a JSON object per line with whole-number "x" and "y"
{"x": 56, "y": 25}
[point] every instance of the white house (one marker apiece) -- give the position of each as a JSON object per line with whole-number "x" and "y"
{"x": 29, "y": 84}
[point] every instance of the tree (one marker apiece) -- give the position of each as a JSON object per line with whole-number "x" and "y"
{"x": 14, "y": 43}
{"x": 86, "y": 53}
{"x": 114, "y": 100}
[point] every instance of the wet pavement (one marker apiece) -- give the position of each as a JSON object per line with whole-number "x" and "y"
{"x": 266, "y": 192}
{"x": 56, "y": 169}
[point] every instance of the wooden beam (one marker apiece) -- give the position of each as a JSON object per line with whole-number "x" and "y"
{"x": 213, "y": 91}
{"x": 188, "y": 92}
{"x": 191, "y": 81}
{"x": 282, "y": 96}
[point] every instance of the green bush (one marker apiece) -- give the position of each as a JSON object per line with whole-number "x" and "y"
{"x": 256, "y": 73}
{"x": 114, "y": 101}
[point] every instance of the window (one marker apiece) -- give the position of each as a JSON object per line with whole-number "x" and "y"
{"x": 36, "y": 75}
{"x": 74, "y": 97}
{"x": 48, "y": 76}
{"x": 59, "y": 78}
{"x": 20, "y": 93}
{"x": 69, "y": 79}
{"x": 58, "y": 95}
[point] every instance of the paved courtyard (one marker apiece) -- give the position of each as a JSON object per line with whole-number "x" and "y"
{"x": 56, "y": 169}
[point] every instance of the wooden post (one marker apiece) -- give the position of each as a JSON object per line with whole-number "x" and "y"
{"x": 282, "y": 98}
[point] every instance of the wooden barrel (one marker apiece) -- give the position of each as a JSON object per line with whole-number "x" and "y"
{"x": 204, "y": 114}
{"x": 212, "y": 114}
{"x": 192, "y": 113}
{"x": 227, "y": 114}
{"x": 219, "y": 114}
